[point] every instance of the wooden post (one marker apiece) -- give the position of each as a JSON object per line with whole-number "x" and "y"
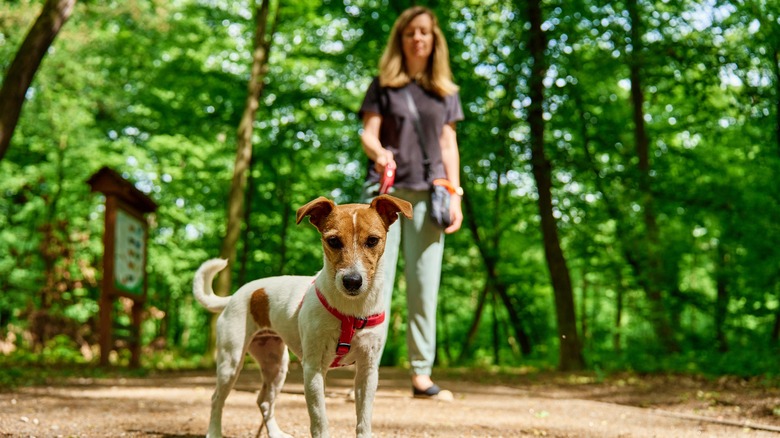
{"x": 124, "y": 257}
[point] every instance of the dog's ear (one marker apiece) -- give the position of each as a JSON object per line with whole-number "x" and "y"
{"x": 388, "y": 208}
{"x": 318, "y": 209}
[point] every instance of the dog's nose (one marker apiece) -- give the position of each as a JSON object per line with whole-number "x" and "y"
{"x": 352, "y": 282}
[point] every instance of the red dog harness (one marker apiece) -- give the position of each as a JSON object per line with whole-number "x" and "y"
{"x": 348, "y": 326}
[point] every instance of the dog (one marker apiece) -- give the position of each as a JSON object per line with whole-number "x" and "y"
{"x": 334, "y": 318}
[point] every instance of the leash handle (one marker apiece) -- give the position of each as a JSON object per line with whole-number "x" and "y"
{"x": 388, "y": 179}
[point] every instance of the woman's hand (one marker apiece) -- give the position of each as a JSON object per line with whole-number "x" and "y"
{"x": 456, "y": 215}
{"x": 450, "y": 157}
{"x": 384, "y": 158}
{"x": 371, "y": 144}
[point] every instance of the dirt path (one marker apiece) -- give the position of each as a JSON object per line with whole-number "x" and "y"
{"x": 178, "y": 406}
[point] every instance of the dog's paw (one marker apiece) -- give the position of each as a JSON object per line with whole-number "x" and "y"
{"x": 273, "y": 432}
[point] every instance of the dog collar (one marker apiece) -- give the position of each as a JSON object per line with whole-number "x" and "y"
{"x": 348, "y": 326}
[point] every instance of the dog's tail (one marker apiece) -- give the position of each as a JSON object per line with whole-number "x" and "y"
{"x": 201, "y": 286}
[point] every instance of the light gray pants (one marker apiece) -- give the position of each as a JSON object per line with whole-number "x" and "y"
{"x": 423, "y": 246}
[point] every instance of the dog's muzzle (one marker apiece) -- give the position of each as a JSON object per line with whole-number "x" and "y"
{"x": 352, "y": 283}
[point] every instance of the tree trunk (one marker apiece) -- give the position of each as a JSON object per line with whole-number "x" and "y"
{"x": 25, "y": 64}
{"x": 584, "y": 310}
{"x": 570, "y": 348}
{"x": 618, "y": 311}
{"x": 235, "y": 209}
{"x": 496, "y": 333}
{"x": 520, "y": 333}
{"x": 493, "y": 282}
{"x": 776, "y": 71}
{"x": 722, "y": 299}
{"x": 235, "y": 205}
{"x": 473, "y": 328}
{"x": 775, "y": 336}
{"x": 446, "y": 337}
{"x": 653, "y": 278}
{"x": 287, "y": 219}
{"x": 614, "y": 212}
{"x": 246, "y": 247}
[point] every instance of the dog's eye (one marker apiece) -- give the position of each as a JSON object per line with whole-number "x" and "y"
{"x": 372, "y": 241}
{"x": 334, "y": 242}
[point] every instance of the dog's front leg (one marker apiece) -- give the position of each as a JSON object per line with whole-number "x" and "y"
{"x": 314, "y": 390}
{"x": 366, "y": 381}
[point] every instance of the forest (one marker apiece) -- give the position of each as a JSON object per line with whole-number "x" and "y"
{"x": 620, "y": 208}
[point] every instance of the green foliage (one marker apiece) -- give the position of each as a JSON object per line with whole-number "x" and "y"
{"x": 155, "y": 89}
{"x": 26, "y": 367}
{"x": 706, "y": 362}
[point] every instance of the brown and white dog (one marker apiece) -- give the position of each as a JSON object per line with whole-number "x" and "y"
{"x": 331, "y": 319}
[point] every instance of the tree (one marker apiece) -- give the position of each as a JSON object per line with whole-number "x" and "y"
{"x": 235, "y": 206}
{"x": 570, "y": 347}
{"x": 243, "y": 162}
{"x": 156, "y": 90}
{"x": 652, "y": 276}
{"x": 26, "y": 62}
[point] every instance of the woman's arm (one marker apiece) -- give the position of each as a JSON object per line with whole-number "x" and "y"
{"x": 371, "y": 144}
{"x": 451, "y": 158}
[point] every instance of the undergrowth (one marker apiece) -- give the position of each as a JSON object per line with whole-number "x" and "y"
{"x": 60, "y": 360}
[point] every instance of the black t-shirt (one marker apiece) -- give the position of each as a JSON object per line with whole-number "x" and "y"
{"x": 398, "y": 133}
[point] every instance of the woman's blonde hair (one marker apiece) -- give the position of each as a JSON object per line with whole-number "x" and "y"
{"x": 437, "y": 76}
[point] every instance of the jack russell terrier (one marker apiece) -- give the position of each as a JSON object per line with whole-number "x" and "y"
{"x": 329, "y": 320}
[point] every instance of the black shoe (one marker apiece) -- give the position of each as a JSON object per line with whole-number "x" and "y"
{"x": 431, "y": 392}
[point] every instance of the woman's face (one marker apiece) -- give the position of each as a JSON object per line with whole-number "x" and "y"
{"x": 417, "y": 37}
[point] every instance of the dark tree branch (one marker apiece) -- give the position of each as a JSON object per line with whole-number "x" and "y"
{"x": 25, "y": 64}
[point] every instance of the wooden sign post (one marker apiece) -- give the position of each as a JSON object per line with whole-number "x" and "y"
{"x": 124, "y": 257}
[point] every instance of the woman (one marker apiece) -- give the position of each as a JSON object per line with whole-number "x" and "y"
{"x": 415, "y": 63}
